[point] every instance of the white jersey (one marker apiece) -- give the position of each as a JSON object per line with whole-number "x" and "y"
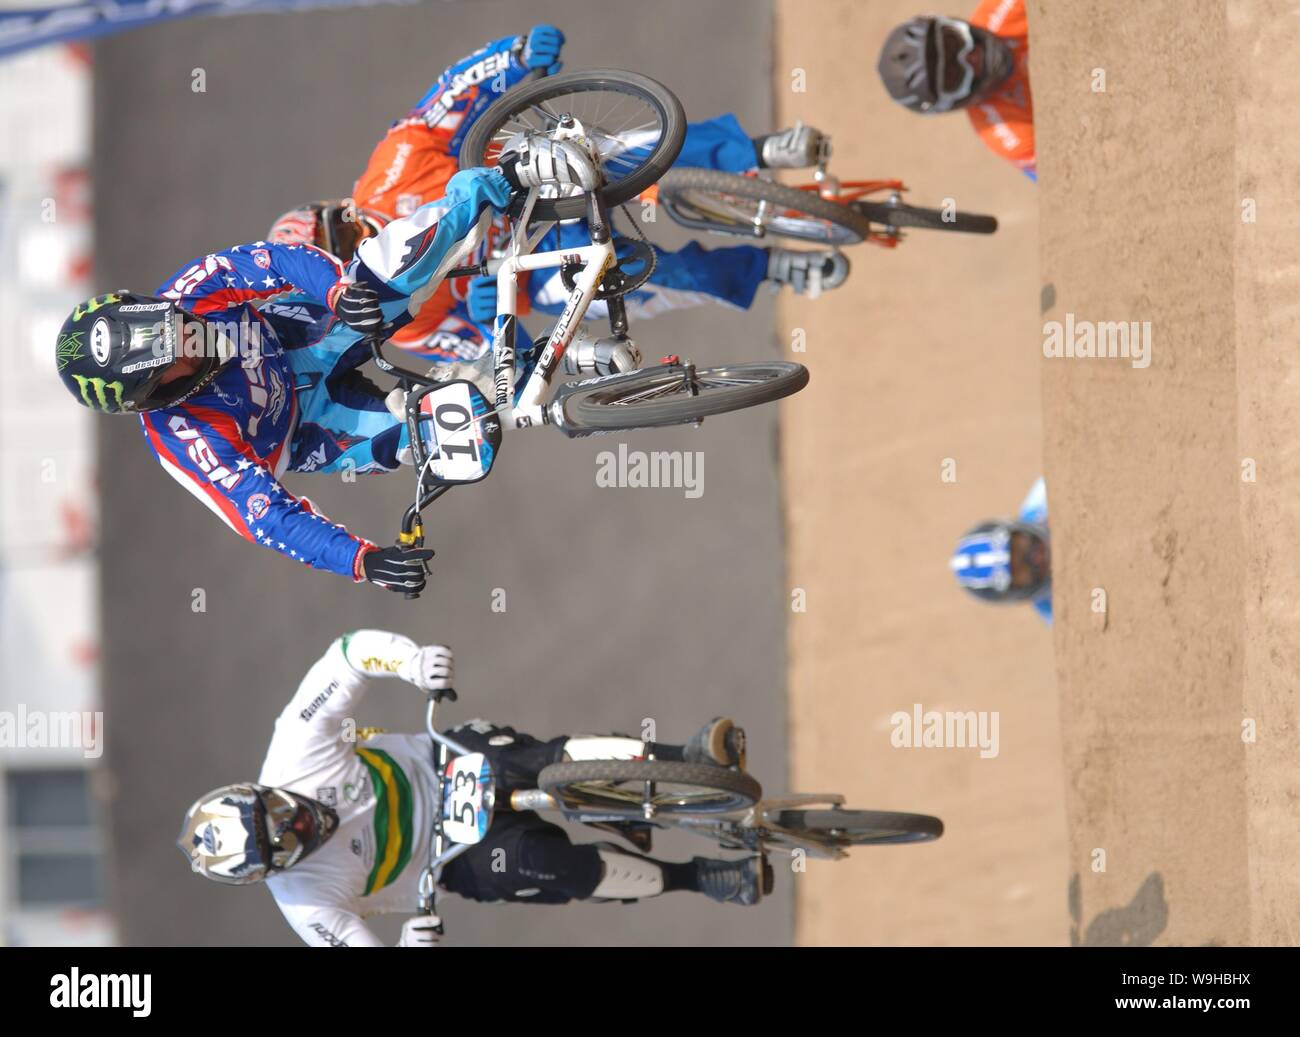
{"x": 381, "y": 787}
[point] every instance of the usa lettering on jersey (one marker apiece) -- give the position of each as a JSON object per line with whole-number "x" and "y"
{"x": 201, "y": 454}
{"x": 196, "y": 275}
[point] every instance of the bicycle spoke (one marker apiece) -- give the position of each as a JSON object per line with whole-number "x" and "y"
{"x": 546, "y": 114}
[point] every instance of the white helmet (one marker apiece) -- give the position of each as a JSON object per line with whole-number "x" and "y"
{"x": 243, "y": 833}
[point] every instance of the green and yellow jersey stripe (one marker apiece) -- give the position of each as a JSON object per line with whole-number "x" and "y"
{"x": 393, "y": 806}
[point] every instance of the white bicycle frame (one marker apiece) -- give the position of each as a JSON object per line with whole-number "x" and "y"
{"x": 530, "y": 408}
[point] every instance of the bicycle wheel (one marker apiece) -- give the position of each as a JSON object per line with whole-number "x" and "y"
{"x": 638, "y": 126}
{"x": 931, "y": 219}
{"x": 704, "y": 199}
{"x": 863, "y": 827}
{"x": 675, "y": 394}
{"x": 679, "y": 788}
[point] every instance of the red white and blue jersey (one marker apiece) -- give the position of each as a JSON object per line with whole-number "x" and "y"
{"x": 229, "y": 444}
{"x": 296, "y": 401}
{"x": 249, "y": 273}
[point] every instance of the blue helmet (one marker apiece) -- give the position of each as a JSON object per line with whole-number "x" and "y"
{"x": 982, "y": 561}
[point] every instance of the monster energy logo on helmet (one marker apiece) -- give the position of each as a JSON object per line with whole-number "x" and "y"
{"x": 91, "y": 305}
{"x": 101, "y": 389}
{"x": 69, "y": 349}
{"x": 119, "y": 353}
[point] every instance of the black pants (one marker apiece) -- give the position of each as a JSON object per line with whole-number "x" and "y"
{"x": 523, "y": 857}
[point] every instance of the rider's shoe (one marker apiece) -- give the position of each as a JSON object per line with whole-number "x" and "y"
{"x": 718, "y": 742}
{"x": 807, "y": 272}
{"x": 796, "y": 148}
{"x": 733, "y": 882}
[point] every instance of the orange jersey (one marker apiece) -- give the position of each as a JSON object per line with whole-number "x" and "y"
{"x": 408, "y": 168}
{"x": 1005, "y": 119}
{"x": 413, "y": 163}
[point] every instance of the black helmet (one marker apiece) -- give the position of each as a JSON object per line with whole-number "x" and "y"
{"x": 936, "y": 64}
{"x": 114, "y": 350}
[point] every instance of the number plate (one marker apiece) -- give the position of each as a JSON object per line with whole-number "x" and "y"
{"x": 462, "y": 443}
{"x": 468, "y": 795}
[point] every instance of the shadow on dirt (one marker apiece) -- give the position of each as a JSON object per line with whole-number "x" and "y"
{"x": 1137, "y": 924}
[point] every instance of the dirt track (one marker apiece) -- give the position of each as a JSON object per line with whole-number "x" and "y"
{"x": 927, "y": 354}
{"x": 1151, "y": 186}
{"x": 1167, "y": 197}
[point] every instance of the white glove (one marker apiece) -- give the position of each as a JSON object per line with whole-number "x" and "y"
{"x": 421, "y": 931}
{"x": 430, "y": 668}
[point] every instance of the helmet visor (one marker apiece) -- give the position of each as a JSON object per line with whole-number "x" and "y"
{"x": 955, "y": 63}
{"x": 191, "y": 357}
{"x": 291, "y": 827}
{"x": 1030, "y": 566}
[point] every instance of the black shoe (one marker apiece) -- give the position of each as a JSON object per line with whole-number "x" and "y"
{"x": 733, "y": 882}
{"x": 719, "y": 742}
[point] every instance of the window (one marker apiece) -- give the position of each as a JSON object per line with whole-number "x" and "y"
{"x": 54, "y": 844}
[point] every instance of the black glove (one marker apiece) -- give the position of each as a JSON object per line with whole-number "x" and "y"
{"x": 357, "y": 306}
{"x": 396, "y": 568}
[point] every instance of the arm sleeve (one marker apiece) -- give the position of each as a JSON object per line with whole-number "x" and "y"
{"x": 248, "y": 273}
{"x": 204, "y": 451}
{"x": 317, "y": 924}
{"x": 465, "y": 90}
{"x": 310, "y": 729}
{"x": 334, "y": 927}
{"x": 409, "y": 258}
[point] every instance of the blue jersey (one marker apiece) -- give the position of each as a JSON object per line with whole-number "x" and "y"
{"x": 295, "y": 403}
{"x": 1034, "y": 510}
{"x": 465, "y": 90}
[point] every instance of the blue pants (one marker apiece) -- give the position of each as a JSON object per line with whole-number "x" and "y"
{"x": 720, "y": 143}
{"x": 342, "y": 421}
{"x": 688, "y": 275}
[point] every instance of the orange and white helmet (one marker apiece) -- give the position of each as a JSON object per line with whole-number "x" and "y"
{"x": 336, "y": 226}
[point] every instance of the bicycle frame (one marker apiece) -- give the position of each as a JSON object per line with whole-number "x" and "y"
{"x": 754, "y": 829}
{"x": 531, "y": 406}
